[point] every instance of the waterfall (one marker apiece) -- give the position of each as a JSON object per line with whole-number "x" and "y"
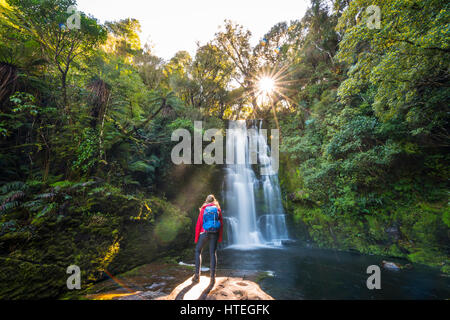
{"x": 254, "y": 215}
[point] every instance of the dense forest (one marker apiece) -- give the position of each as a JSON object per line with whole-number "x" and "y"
{"x": 86, "y": 117}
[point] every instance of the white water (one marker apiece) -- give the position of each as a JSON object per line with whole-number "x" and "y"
{"x": 254, "y": 215}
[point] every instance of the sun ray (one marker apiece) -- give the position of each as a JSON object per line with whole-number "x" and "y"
{"x": 268, "y": 86}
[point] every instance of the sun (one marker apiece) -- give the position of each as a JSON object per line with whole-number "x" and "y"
{"x": 266, "y": 85}
{"x": 265, "y": 88}
{"x": 271, "y": 86}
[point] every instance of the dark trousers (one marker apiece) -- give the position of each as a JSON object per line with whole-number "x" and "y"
{"x": 202, "y": 240}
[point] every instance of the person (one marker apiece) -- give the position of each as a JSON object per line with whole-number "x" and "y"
{"x": 209, "y": 229}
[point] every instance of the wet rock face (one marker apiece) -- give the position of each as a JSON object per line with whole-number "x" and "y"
{"x": 224, "y": 288}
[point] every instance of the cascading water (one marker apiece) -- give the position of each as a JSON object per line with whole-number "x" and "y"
{"x": 272, "y": 222}
{"x": 240, "y": 190}
{"x": 254, "y": 215}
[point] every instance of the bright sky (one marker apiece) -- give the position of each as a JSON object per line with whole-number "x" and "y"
{"x": 173, "y": 25}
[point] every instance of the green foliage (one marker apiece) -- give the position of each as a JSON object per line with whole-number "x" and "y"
{"x": 87, "y": 152}
{"x": 366, "y": 154}
{"x": 181, "y": 123}
{"x": 406, "y": 61}
{"x": 11, "y": 195}
{"x": 23, "y": 103}
{"x": 45, "y": 23}
{"x": 23, "y": 110}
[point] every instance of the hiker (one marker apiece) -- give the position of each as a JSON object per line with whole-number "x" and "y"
{"x": 209, "y": 229}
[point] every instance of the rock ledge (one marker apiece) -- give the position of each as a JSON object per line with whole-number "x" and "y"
{"x": 225, "y": 288}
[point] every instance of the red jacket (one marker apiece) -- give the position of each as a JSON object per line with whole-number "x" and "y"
{"x": 199, "y": 228}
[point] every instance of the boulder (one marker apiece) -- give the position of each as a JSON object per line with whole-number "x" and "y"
{"x": 224, "y": 288}
{"x": 395, "y": 266}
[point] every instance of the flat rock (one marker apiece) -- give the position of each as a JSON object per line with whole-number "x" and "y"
{"x": 160, "y": 280}
{"x": 225, "y": 288}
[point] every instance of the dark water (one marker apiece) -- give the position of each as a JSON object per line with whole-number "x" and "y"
{"x": 305, "y": 273}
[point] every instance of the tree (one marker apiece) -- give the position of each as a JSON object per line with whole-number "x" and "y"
{"x": 212, "y": 70}
{"x": 123, "y": 38}
{"x": 19, "y": 53}
{"x": 45, "y": 23}
{"x": 178, "y": 77}
{"x": 234, "y": 42}
{"x": 150, "y": 67}
{"x": 406, "y": 61}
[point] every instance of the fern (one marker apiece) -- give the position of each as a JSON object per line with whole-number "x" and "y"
{"x": 82, "y": 185}
{"x": 62, "y": 184}
{"x": 48, "y": 195}
{"x": 11, "y": 194}
{"x": 8, "y": 206}
{"x": 141, "y": 166}
{"x": 47, "y": 209}
{"x": 34, "y": 206}
{"x": 128, "y": 180}
{"x": 9, "y": 226}
{"x": 15, "y": 185}
{"x": 97, "y": 190}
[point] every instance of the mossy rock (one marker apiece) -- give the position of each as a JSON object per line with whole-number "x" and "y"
{"x": 113, "y": 241}
{"x": 26, "y": 280}
{"x": 144, "y": 242}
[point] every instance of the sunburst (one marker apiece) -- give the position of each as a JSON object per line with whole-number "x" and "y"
{"x": 266, "y": 85}
{"x": 269, "y": 85}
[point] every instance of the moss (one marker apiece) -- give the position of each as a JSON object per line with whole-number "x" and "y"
{"x": 427, "y": 256}
{"x": 421, "y": 229}
{"x": 421, "y": 236}
{"x": 446, "y": 269}
{"x": 169, "y": 260}
{"x": 395, "y": 251}
{"x": 145, "y": 242}
{"x": 26, "y": 280}
{"x": 133, "y": 272}
{"x": 261, "y": 276}
{"x": 446, "y": 216}
{"x": 168, "y": 229}
{"x": 96, "y": 234}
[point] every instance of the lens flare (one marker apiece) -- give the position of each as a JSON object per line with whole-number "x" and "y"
{"x": 266, "y": 85}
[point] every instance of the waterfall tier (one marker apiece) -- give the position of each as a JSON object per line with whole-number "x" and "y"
{"x": 254, "y": 214}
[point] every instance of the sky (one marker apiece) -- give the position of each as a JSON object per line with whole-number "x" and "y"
{"x": 174, "y": 25}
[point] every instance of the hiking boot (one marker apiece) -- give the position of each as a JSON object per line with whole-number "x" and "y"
{"x": 196, "y": 278}
{"x": 212, "y": 279}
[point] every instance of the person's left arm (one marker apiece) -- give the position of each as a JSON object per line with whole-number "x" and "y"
{"x": 198, "y": 227}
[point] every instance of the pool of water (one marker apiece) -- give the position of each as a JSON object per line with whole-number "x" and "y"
{"x": 305, "y": 273}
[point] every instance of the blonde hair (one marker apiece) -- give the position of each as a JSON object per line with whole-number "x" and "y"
{"x": 212, "y": 199}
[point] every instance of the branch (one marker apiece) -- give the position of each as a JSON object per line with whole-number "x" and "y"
{"x": 163, "y": 104}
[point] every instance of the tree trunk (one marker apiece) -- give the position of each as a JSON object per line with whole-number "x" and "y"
{"x": 64, "y": 92}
